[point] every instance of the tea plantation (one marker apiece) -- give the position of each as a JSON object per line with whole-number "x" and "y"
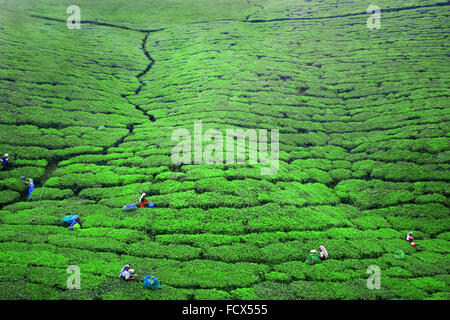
{"x": 363, "y": 119}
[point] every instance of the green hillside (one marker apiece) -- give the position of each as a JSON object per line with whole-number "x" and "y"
{"x": 363, "y": 119}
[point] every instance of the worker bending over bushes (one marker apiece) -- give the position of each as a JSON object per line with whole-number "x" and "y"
{"x": 74, "y": 221}
{"x": 127, "y": 273}
{"x": 150, "y": 282}
{"x": 315, "y": 257}
{"x": 410, "y": 239}
{"x": 30, "y": 184}
{"x": 143, "y": 202}
{"x": 5, "y": 160}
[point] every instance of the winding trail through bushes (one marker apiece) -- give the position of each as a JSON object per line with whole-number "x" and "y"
{"x": 440, "y": 4}
{"x": 204, "y": 254}
{"x": 141, "y": 74}
{"x": 53, "y": 163}
{"x": 146, "y": 53}
{"x": 99, "y": 23}
{"x": 255, "y": 5}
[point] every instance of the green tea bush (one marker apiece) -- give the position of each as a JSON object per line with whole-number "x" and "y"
{"x": 274, "y": 290}
{"x": 430, "y": 210}
{"x": 429, "y": 226}
{"x": 371, "y": 222}
{"x": 198, "y": 240}
{"x": 51, "y": 194}
{"x": 95, "y": 158}
{"x": 211, "y": 294}
{"x": 313, "y": 193}
{"x": 25, "y": 152}
{"x": 303, "y": 164}
{"x": 372, "y": 194}
{"x": 340, "y": 174}
{"x": 29, "y": 217}
{"x": 403, "y": 288}
{"x": 295, "y": 269}
{"x": 17, "y": 290}
{"x": 20, "y": 271}
{"x": 8, "y": 196}
{"x": 91, "y": 243}
{"x": 75, "y": 151}
{"x": 171, "y": 186}
{"x": 154, "y": 249}
{"x": 243, "y": 294}
{"x": 234, "y": 253}
{"x": 54, "y": 277}
{"x": 333, "y": 270}
{"x": 126, "y": 235}
{"x": 325, "y": 290}
{"x": 13, "y": 184}
{"x": 278, "y": 276}
{"x": 407, "y": 171}
{"x": 202, "y": 173}
{"x": 23, "y": 163}
{"x": 397, "y": 272}
{"x": 99, "y": 220}
{"x": 170, "y": 176}
{"x": 9, "y": 235}
{"x": 77, "y": 181}
{"x": 32, "y": 257}
{"x": 431, "y": 187}
{"x": 329, "y": 152}
{"x": 432, "y": 198}
{"x": 213, "y": 274}
{"x": 429, "y": 284}
{"x": 363, "y": 168}
{"x": 135, "y": 189}
{"x": 204, "y": 200}
{"x": 31, "y": 172}
{"x": 435, "y": 245}
{"x": 133, "y": 290}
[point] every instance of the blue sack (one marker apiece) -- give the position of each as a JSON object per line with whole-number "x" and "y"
{"x": 151, "y": 282}
{"x": 151, "y": 205}
{"x": 130, "y": 207}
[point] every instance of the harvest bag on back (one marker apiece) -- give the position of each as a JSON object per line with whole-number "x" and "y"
{"x": 69, "y": 219}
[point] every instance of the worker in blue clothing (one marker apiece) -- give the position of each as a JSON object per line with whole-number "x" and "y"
{"x": 5, "y": 160}
{"x": 74, "y": 222}
{"x": 30, "y": 184}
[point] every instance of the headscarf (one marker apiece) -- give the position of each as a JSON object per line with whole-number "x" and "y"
{"x": 324, "y": 251}
{"x": 142, "y": 196}
{"x": 123, "y": 269}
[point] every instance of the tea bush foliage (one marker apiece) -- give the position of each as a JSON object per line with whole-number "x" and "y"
{"x": 363, "y": 150}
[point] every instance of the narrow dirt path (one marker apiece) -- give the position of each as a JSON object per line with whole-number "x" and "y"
{"x": 441, "y": 4}
{"x": 53, "y": 163}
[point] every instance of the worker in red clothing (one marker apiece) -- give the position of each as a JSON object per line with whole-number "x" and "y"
{"x": 143, "y": 201}
{"x": 410, "y": 238}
